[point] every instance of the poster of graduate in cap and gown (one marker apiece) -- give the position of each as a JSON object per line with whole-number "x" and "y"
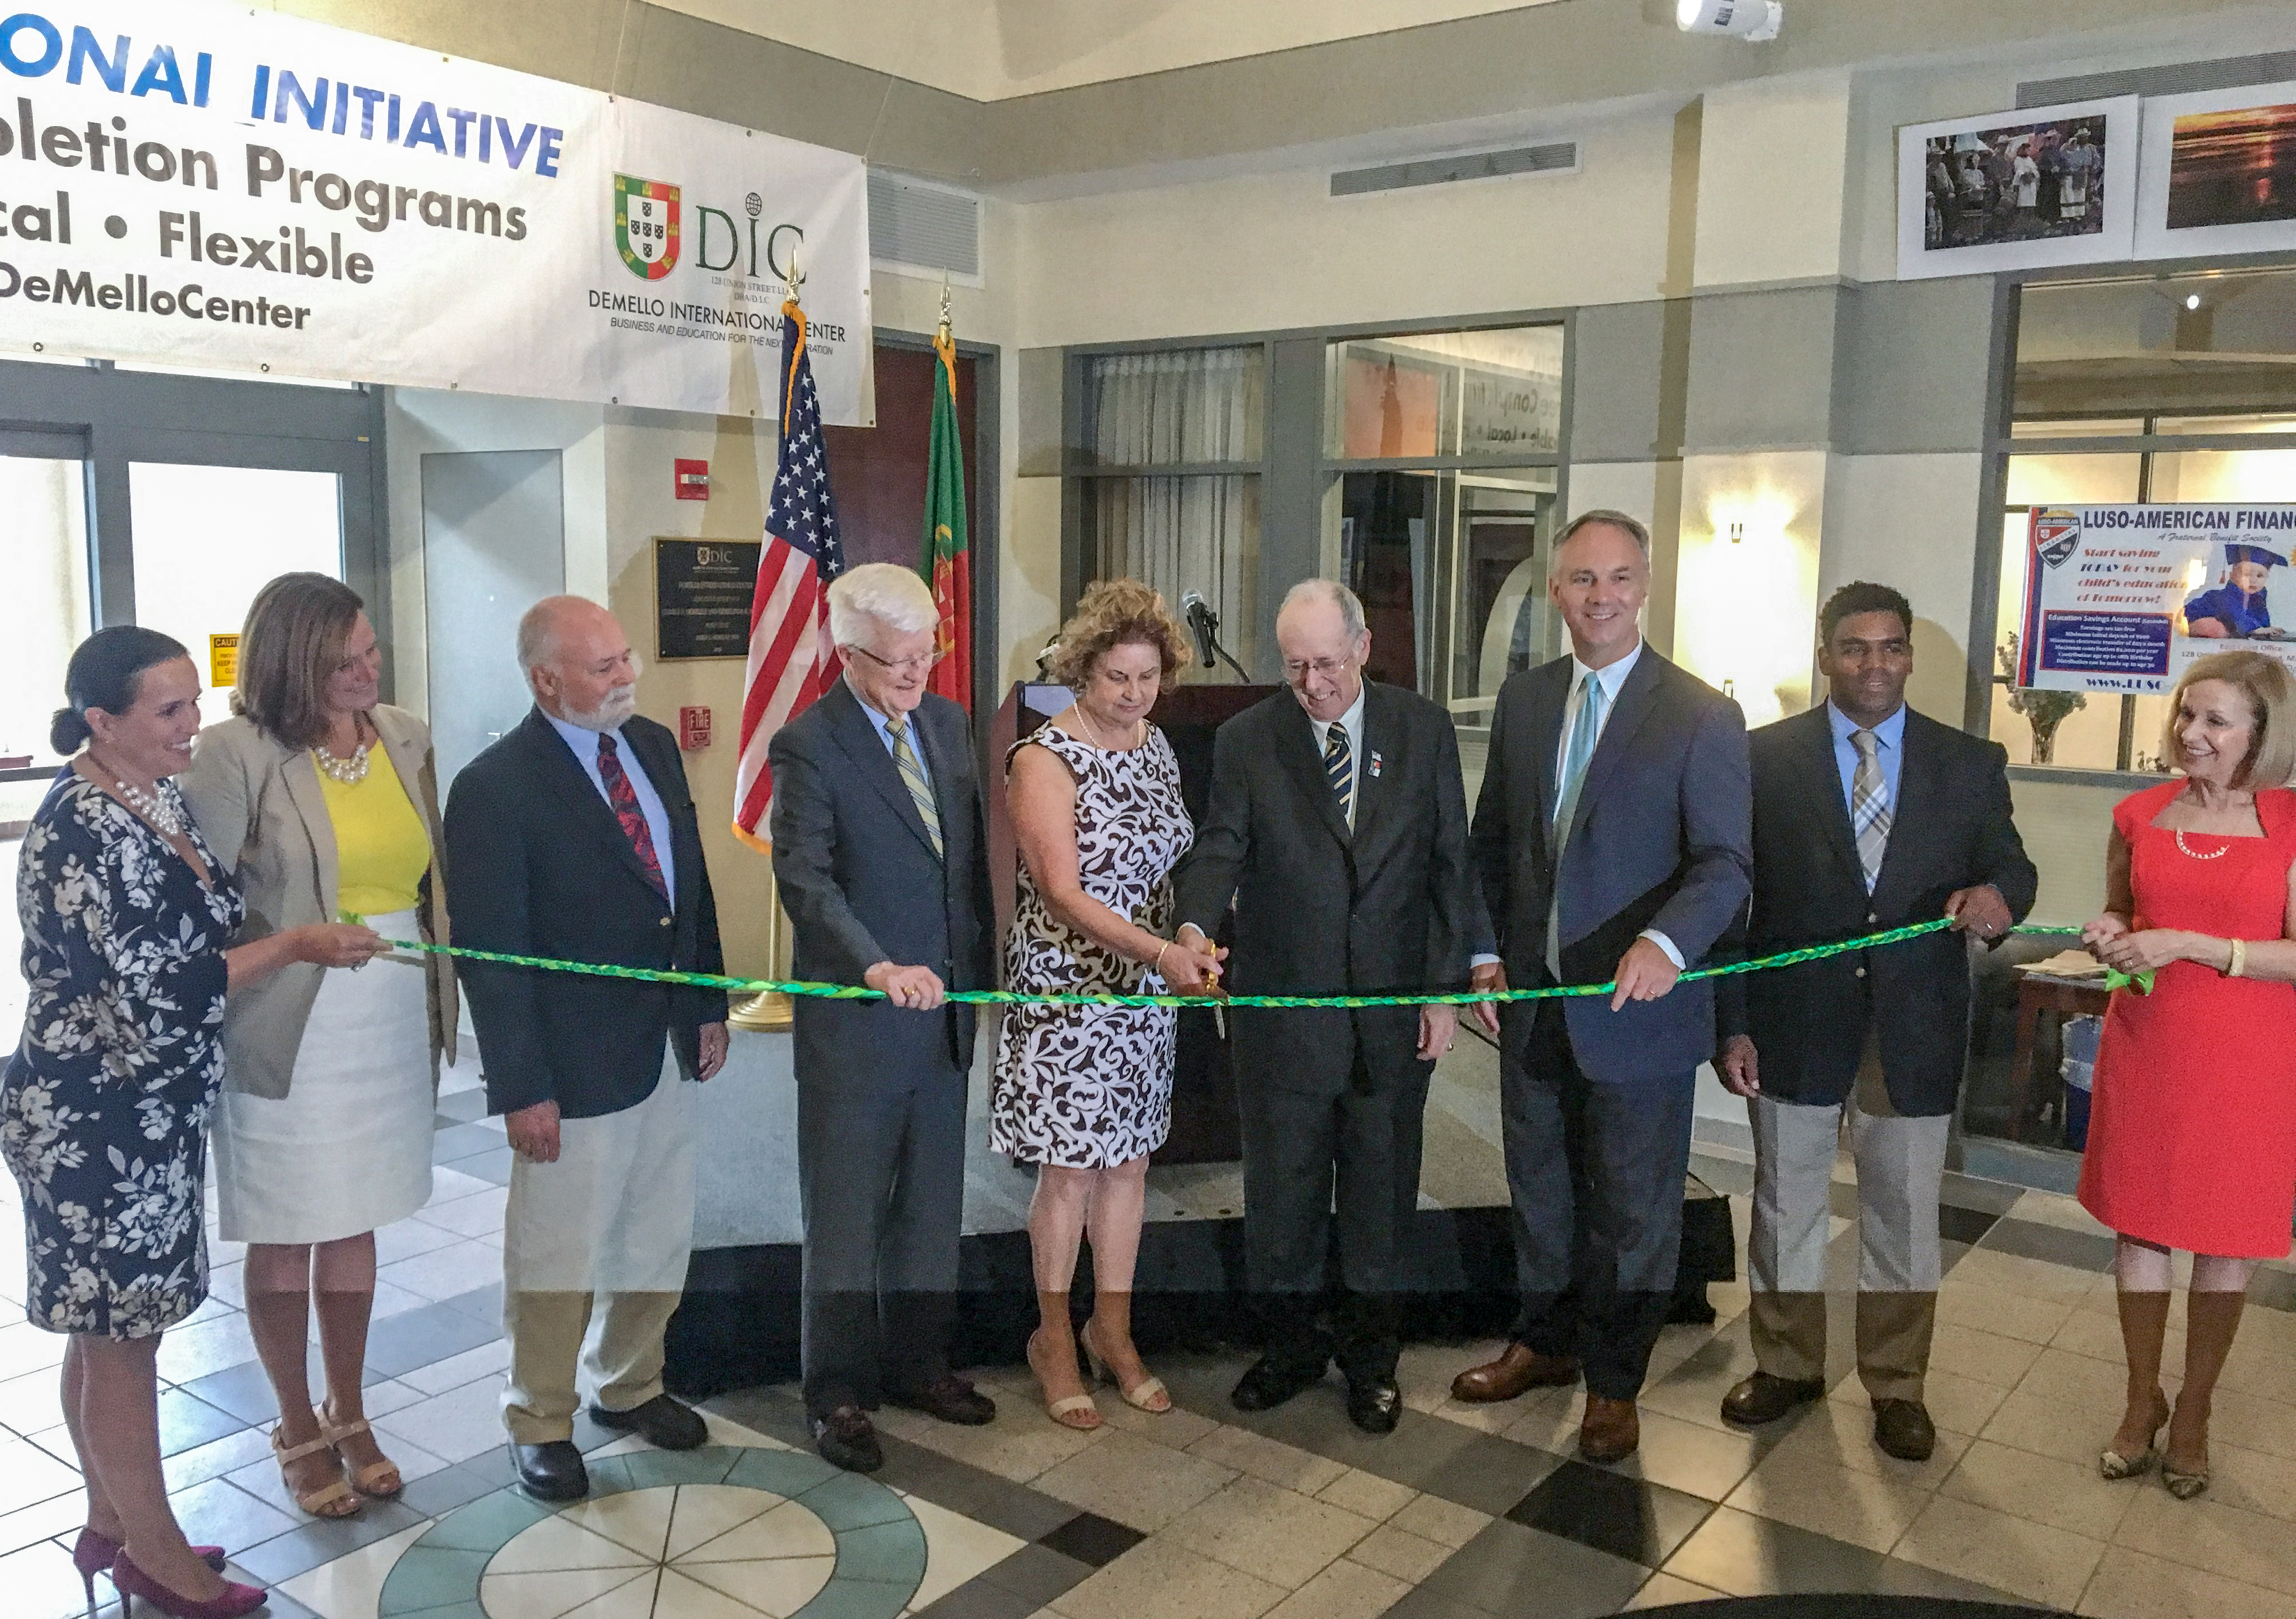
{"x": 2121, "y": 599}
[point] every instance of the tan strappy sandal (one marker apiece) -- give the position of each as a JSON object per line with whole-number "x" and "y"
{"x": 335, "y": 1499}
{"x": 1149, "y": 1394}
{"x": 1076, "y": 1411}
{"x": 369, "y": 1480}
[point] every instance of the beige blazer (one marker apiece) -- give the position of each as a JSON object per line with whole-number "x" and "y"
{"x": 258, "y": 805}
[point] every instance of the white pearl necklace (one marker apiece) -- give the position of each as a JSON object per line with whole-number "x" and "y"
{"x": 2214, "y": 854}
{"x": 162, "y": 809}
{"x": 349, "y": 771}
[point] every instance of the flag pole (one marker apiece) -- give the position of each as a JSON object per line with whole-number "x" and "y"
{"x": 770, "y": 1012}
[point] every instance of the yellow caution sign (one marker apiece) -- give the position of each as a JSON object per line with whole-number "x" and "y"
{"x": 222, "y": 660}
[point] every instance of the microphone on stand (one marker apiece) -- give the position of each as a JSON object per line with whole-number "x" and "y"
{"x": 1204, "y": 624}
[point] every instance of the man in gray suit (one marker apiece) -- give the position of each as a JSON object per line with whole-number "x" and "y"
{"x": 1614, "y": 837}
{"x": 881, "y": 860}
{"x": 1338, "y": 827}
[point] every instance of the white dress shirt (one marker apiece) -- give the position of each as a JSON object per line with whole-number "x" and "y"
{"x": 1611, "y": 677}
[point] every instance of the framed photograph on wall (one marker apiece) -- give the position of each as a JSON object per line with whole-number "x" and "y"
{"x": 2219, "y": 174}
{"x": 2016, "y": 191}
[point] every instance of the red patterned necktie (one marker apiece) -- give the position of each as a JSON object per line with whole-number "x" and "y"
{"x": 624, "y": 798}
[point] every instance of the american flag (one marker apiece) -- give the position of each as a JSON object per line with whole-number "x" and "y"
{"x": 791, "y": 661}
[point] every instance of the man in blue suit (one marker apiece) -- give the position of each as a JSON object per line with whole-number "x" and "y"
{"x": 1613, "y": 835}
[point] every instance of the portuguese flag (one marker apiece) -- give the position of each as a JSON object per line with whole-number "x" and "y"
{"x": 948, "y": 565}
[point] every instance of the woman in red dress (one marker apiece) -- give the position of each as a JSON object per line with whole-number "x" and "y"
{"x": 2192, "y": 1142}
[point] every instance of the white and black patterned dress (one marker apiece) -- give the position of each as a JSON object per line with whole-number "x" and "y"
{"x": 1091, "y": 1086}
{"x": 103, "y": 1109}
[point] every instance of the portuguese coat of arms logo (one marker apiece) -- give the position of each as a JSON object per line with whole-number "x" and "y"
{"x": 645, "y": 225}
{"x": 2056, "y": 535}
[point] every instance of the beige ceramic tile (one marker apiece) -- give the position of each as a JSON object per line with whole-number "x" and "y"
{"x": 2255, "y": 1422}
{"x": 1344, "y": 1590}
{"x": 1158, "y": 1580}
{"x": 1241, "y": 1451}
{"x": 1843, "y": 1434}
{"x": 1809, "y": 1493}
{"x": 546, "y": 1596}
{"x": 1965, "y": 1302}
{"x": 778, "y": 1586}
{"x": 1136, "y": 1483}
{"x": 1548, "y": 1420}
{"x": 788, "y": 1530}
{"x": 1691, "y": 1457}
{"x": 2011, "y": 1554}
{"x": 2049, "y": 1427}
{"x": 2256, "y": 1367}
{"x": 1491, "y": 1418}
{"x": 1175, "y": 1428}
{"x": 2032, "y": 1278}
{"x": 2056, "y": 1209}
{"x": 2129, "y": 1585}
{"x": 560, "y": 1542}
{"x": 2063, "y": 1494}
{"x": 638, "y": 1519}
{"x": 1425, "y": 1372}
{"x": 1665, "y": 1590}
{"x": 704, "y": 1512}
{"x": 1982, "y": 1356}
{"x": 2251, "y": 1480}
{"x": 350, "y": 1587}
{"x": 1445, "y": 1522}
{"x": 1276, "y": 1535}
{"x": 1019, "y": 1447}
{"x": 956, "y": 1548}
{"x": 635, "y": 1600}
{"x": 2100, "y": 1386}
{"x": 1367, "y": 1495}
{"x": 2211, "y": 1534}
{"x": 1398, "y": 1552}
{"x": 2097, "y": 1335}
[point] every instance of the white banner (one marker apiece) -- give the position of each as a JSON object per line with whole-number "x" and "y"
{"x": 2121, "y": 599}
{"x": 193, "y": 183}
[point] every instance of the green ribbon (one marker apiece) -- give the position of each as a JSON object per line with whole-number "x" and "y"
{"x": 2142, "y": 982}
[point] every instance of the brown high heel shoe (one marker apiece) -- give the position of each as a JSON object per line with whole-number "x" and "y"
{"x": 2111, "y": 1465}
{"x": 377, "y": 1481}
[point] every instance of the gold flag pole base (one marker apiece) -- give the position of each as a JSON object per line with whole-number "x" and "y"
{"x": 766, "y": 1012}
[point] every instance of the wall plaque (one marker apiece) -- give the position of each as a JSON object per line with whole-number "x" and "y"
{"x": 701, "y": 591}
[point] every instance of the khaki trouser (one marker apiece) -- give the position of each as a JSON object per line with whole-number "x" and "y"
{"x": 595, "y": 1244}
{"x": 1900, "y": 1164}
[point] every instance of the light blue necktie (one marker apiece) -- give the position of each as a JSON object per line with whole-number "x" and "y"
{"x": 1576, "y": 757}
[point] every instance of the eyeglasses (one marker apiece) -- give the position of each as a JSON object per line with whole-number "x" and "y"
{"x": 1330, "y": 669}
{"x": 923, "y": 661}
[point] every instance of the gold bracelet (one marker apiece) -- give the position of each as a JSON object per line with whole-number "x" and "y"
{"x": 2238, "y": 965}
{"x": 1157, "y": 965}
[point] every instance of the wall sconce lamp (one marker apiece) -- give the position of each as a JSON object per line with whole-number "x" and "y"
{"x": 1737, "y": 533}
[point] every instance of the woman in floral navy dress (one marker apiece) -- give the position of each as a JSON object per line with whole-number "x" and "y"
{"x": 104, "y": 1108}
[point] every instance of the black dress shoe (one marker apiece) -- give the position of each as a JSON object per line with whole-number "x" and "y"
{"x": 551, "y": 1472}
{"x": 846, "y": 1440}
{"x": 1271, "y": 1381}
{"x": 1903, "y": 1429}
{"x": 1374, "y": 1403}
{"x": 949, "y": 1397}
{"x": 1763, "y": 1398}
{"x": 665, "y": 1424}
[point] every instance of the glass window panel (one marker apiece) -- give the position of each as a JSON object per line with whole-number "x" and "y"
{"x": 1491, "y": 393}
{"x": 44, "y": 612}
{"x": 1503, "y": 620}
{"x": 2155, "y": 345}
{"x": 2250, "y": 422}
{"x": 1175, "y": 406}
{"x": 1184, "y": 534}
{"x": 208, "y": 538}
{"x": 2073, "y": 480}
{"x": 2260, "y": 476}
{"x": 2077, "y": 427}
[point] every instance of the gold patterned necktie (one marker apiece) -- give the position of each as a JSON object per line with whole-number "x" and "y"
{"x": 913, "y": 777}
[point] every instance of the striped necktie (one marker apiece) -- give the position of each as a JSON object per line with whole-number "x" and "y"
{"x": 1584, "y": 734}
{"x": 1869, "y": 807}
{"x": 913, "y": 777}
{"x": 1340, "y": 770}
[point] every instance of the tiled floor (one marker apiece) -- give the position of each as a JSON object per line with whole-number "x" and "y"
{"x": 1206, "y": 1512}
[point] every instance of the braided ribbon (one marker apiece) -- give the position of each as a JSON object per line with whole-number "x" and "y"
{"x": 2142, "y": 983}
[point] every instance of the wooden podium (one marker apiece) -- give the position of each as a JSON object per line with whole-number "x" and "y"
{"x": 1204, "y": 1129}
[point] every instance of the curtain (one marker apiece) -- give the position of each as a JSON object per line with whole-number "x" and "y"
{"x": 1201, "y": 533}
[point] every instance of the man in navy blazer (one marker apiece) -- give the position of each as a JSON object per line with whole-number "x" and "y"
{"x": 575, "y": 836}
{"x": 881, "y": 853}
{"x": 1613, "y": 835}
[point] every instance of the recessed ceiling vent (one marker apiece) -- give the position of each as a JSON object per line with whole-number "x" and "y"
{"x": 916, "y": 226}
{"x": 1552, "y": 157}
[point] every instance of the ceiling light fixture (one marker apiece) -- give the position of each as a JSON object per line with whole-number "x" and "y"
{"x": 1755, "y": 21}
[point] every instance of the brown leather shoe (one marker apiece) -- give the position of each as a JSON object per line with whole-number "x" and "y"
{"x": 1903, "y": 1428}
{"x": 1611, "y": 1430}
{"x": 1764, "y": 1398}
{"x": 1518, "y": 1370}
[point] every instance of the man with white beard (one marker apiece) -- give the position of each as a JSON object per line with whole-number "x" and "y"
{"x": 574, "y": 837}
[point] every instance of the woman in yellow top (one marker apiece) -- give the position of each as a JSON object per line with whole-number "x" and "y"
{"x": 323, "y": 801}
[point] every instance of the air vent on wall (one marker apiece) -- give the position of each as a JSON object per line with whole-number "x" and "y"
{"x": 1554, "y": 157}
{"x": 918, "y": 226}
{"x": 2172, "y": 78}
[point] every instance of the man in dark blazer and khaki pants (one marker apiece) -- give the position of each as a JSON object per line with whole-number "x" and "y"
{"x": 575, "y": 836}
{"x": 880, "y": 856}
{"x": 1866, "y": 816}
{"x": 1612, "y": 837}
{"x": 1338, "y": 826}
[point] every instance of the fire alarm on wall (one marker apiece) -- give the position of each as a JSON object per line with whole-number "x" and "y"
{"x": 693, "y": 480}
{"x": 693, "y": 729}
